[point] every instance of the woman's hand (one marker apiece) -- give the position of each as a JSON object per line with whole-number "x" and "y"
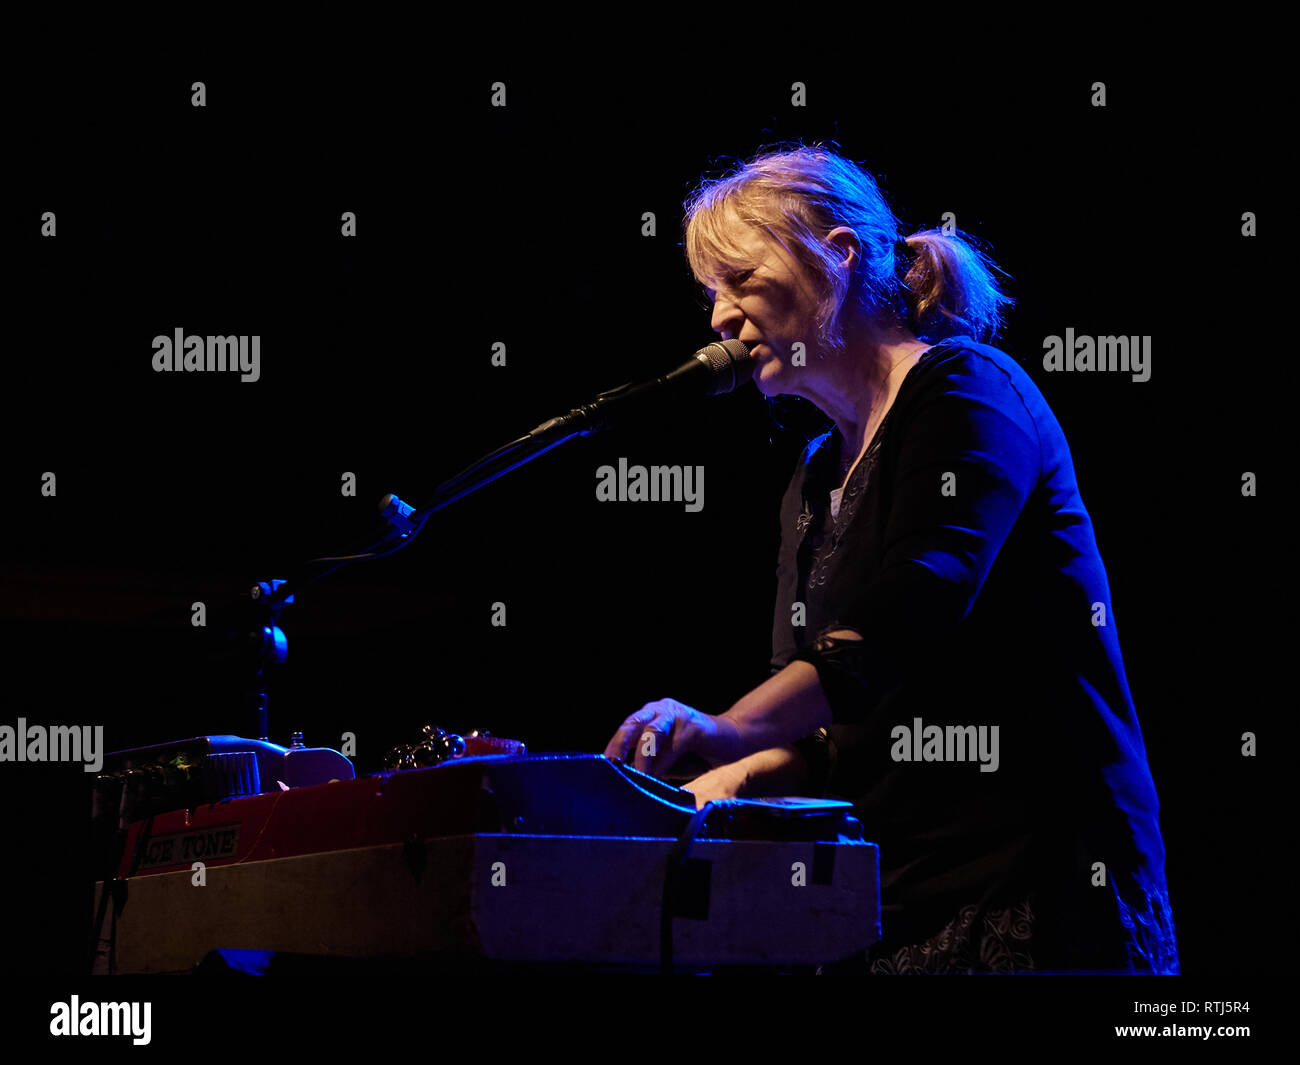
{"x": 661, "y": 732}
{"x": 726, "y": 782}
{"x": 775, "y": 771}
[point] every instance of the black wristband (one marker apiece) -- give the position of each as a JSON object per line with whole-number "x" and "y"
{"x": 818, "y": 751}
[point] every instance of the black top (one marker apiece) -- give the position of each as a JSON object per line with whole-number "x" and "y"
{"x": 964, "y": 556}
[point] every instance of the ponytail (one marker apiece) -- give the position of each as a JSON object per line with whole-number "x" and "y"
{"x": 950, "y": 288}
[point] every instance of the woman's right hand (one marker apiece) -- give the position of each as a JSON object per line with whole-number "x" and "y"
{"x": 658, "y": 734}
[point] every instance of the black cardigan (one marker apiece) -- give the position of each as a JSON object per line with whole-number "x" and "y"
{"x": 964, "y": 556}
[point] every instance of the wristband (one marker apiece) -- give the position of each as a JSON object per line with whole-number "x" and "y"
{"x": 818, "y": 751}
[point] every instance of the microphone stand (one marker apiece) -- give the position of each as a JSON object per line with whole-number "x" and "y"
{"x": 725, "y": 364}
{"x": 269, "y": 598}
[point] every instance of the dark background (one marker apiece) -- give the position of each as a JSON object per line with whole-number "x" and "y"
{"x": 522, "y": 225}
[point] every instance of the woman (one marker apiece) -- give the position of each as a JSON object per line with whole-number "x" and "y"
{"x": 944, "y": 648}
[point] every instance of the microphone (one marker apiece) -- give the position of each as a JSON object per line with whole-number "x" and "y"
{"x": 714, "y": 370}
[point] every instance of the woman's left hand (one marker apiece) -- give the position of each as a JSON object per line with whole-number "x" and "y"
{"x": 726, "y": 782}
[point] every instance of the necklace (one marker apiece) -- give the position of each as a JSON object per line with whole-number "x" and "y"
{"x": 847, "y": 459}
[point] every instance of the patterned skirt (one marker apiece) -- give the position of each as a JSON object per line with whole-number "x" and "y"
{"x": 1139, "y": 938}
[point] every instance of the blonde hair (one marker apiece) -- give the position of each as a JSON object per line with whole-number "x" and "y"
{"x": 796, "y": 198}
